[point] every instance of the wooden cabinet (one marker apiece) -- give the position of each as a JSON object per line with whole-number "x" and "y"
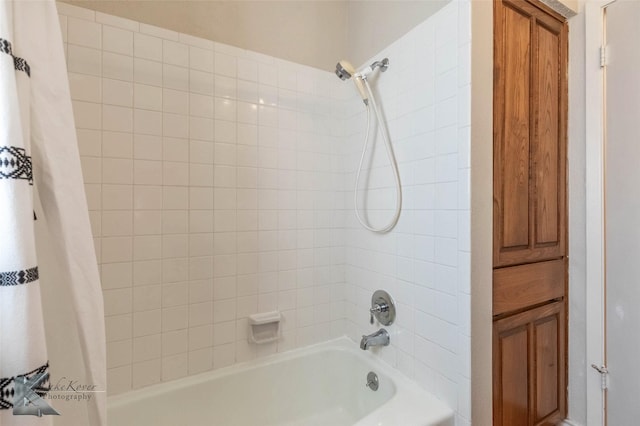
{"x": 530, "y": 107}
{"x": 529, "y": 362}
{"x": 530, "y": 229}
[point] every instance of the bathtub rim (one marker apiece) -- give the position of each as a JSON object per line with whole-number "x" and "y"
{"x": 408, "y": 399}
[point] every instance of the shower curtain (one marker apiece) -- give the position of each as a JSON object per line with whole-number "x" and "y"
{"x": 51, "y": 309}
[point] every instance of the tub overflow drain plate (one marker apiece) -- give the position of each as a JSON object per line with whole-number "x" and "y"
{"x": 372, "y": 381}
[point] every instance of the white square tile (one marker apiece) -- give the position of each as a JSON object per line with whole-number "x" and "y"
{"x": 119, "y": 353}
{"x": 200, "y": 336}
{"x": 147, "y": 47}
{"x": 117, "y": 197}
{"x": 201, "y": 105}
{"x": 147, "y": 273}
{"x": 89, "y": 142}
{"x": 87, "y": 115}
{"x": 226, "y": 65}
{"x": 174, "y": 342}
{"x": 175, "y": 222}
{"x": 247, "y": 113}
{"x": 148, "y": 323}
{"x": 91, "y": 169}
{"x": 225, "y": 133}
{"x": 117, "y": 171}
{"x": 175, "y": 149}
{"x": 84, "y": 33}
{"x": 200, "y": 59}
{"x": 174, "y": 367}
{"x": 268, "y": 74}
{"x": 116, "y": 275}
{"x": 201, "y": 314}
{"x": 174, "y": 246}
{"x": 175, "y": 198}
{"x": 147, "y": 298}
{"x": 175, "y": 53}
{"x": 147, "y": 222}
{"x": 247, "y": 69}
{"x": 201, "y": 129}
{"x": 115, "y": 66}
{"x": 200, "y": 221}
{"x": 201, "y": 152}
{"x": 147, "y": 97}
{"x": 200, "y": 360}
{"x": 117, "y": 92}
{"x": 201, "y": 82}
{"x": 201, "y": 175}
{"x": 247, "y": 91}
{"x": 175, "y": 125}
{"x": 175, "y": 101}
{"x": 117, "y": 40}
{"x": 147, "y": 147}
{"x": 118, "y": 327}
{"x": 247, "y": 134}
{"x": 117, "y": 119}
{"x": 175, "y": 174}
{"x": 146, "y": 373}
{"x": 147, "y": 122}
{"x": 119, "y": 378}
{"x": 117, "y": 223}
{"x": 117, "y": 301}
{"x": 85, "y": 87}
{"x": 175, "y": 77}
{"x": 174, "y": 318}
{"x": 147, "y": 247}
{"x": 225, "y": 109}
{"x": 225, "y": 87}
{"x": 147, "y": 72}
{"x": 174, "y": 270}
{"x": 148, "y": 197}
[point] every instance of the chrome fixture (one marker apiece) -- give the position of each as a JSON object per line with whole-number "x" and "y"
{"x": 379, "y": 338}
{"x": 383, "y": 308}
{"x": 372, "y": 381}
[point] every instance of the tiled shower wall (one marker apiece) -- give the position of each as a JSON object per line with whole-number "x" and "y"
{"x": 425, "y": 262}
{"x": 212, "y": 183}
{"x": 220, "y": 184}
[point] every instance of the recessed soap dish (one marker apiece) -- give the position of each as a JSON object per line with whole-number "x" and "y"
{"x": 264, "y": 327}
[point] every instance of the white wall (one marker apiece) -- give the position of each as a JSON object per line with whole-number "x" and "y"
{"x": 210, "y": 174}
{"x": 424, "y": 262}
{"x": 577, "y": 400}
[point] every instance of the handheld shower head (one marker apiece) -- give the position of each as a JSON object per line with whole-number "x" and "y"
{"x": 344, "y": 71}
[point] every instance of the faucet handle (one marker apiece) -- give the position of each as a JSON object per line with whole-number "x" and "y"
{"x": 377, "y": 309}
{"x": 383, "y": 308}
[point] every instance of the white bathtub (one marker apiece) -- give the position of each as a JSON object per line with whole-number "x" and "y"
{"x": 315, "y": 386}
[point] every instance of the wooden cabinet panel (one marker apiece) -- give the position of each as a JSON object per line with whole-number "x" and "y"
{"x": 529, "y": 370}
{"x": 530, "y": 98}
{"x": 517, "y": 287}
{"x": 513, "y": 351}
{"x": 515, "y": 154}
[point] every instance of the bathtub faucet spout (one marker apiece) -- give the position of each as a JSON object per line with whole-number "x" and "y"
{"x": 379, "y": 338}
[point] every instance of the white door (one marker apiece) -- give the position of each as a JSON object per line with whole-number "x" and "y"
{"x": 622, "y": 212}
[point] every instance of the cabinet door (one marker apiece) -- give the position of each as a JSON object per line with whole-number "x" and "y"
{"x": 529, "y": 370}
{"x": 530, "y": 106}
